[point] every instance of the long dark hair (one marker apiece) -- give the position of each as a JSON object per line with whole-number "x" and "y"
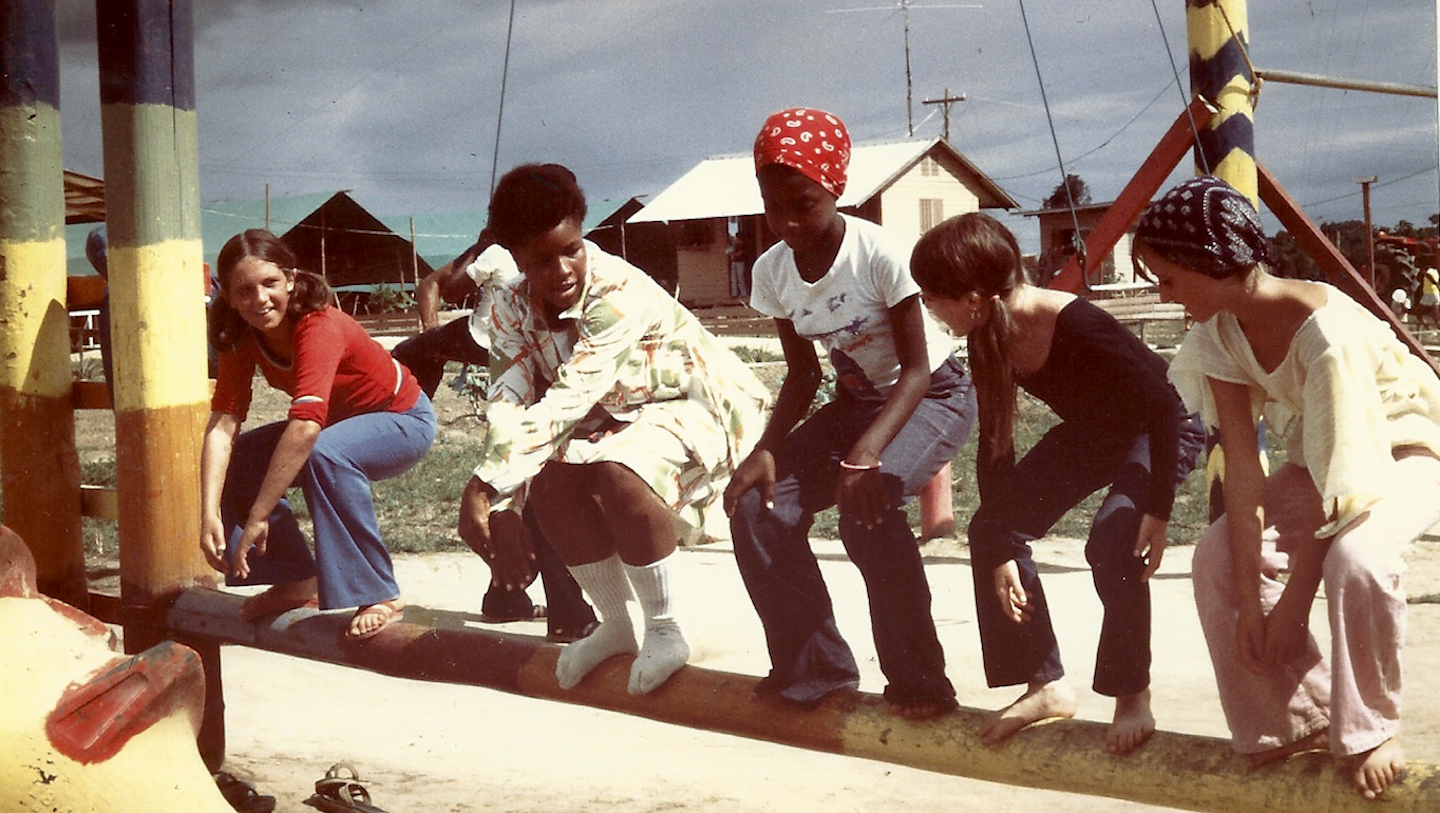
{"x": 312, "y": 293}
{"x": 975, "y": 253}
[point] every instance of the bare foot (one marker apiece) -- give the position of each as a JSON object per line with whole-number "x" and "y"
{"x": 924, "y": 709}
{"x": 1377, "y": 768}
{"x": 280, "y": 598}
{"x": 1316, "y": 741}
{"x": 1133, "y": 723}
{"x": 1041, "y": 701}
{"x": 370, "y": 619}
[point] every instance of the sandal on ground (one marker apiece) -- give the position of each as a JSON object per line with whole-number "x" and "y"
{"x": 569, "y": 634}
{"x": 536, "y": 612}
{"x": 242, "y": 795}
{"x": 389, "y": 612}
{"x": 338, "y": 793}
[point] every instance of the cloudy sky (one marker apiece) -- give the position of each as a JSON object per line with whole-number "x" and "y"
{"x": 398, "y": 101}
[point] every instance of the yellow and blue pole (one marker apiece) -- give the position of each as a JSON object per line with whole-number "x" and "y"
{"x": 1220, "y": 74}
{"x": 1218, "y": 34}
{"x": 39, "y": 467}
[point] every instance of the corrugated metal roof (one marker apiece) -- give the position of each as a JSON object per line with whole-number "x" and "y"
{"x": 725, "y": 186}
{"x": 84, "y": 198}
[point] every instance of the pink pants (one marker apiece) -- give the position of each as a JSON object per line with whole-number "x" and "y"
{"x": 1356, "y": 691}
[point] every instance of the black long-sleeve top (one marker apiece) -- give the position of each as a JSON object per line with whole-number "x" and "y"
{"x": 1099, "y": 374}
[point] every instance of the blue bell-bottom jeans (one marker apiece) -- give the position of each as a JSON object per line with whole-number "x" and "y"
{"x": 352, "y": 566}
{"x": 809, "y": 659}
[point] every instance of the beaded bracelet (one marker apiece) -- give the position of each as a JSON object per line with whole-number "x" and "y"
{"x": 852, "y": 467}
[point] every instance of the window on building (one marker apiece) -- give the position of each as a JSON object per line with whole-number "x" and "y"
{"x": 696, "y": 234}
{"x": 929, "y": 167}
{"x": 932, "y": 211}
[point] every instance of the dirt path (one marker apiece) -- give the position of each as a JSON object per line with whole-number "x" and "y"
{"x": 433, "y": 747}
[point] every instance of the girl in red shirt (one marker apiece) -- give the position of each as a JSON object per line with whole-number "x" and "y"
{"x": 356, "y": 416}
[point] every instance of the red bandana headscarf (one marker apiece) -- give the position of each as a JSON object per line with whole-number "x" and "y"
{"x": 812, "y": 142}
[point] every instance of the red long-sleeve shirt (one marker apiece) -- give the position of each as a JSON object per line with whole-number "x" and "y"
{"x": 337, "y": 371}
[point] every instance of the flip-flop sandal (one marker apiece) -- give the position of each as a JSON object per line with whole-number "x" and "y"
{"x": 242, "y": 795}
{"x": 569, "y": 635}
{"x": 388, "y": 612}
{"x": 535, "y": 613}
{"x": 340, "y": 794}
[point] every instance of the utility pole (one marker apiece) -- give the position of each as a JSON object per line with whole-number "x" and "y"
{"x": 1369, "y": 232}
{"x": 904, "y": 6}
{"x": 946, "y": 100}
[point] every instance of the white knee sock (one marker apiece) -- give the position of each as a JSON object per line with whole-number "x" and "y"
{"x": 665, "y": 649}
{"x": 605, "y": 582}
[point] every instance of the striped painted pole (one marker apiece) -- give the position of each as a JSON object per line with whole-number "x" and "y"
{"x": 147, "y": 108}
{"x": 39, "y": 467}
{"x": 1218, "y": 32}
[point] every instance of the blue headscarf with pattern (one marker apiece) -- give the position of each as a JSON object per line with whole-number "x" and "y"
{"x": 1204, "y": 225}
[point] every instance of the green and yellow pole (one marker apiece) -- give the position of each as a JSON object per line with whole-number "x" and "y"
{"x": 39, "y": 467}
{"x": 1218, "y": 32}
{"x": 157, "y": 312}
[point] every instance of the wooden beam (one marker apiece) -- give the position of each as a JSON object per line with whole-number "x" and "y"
{"x": 1333, "y": 264}
{"x": 1173, "y": 770}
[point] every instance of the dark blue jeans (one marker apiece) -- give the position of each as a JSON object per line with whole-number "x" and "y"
{"x": 808, "y": 657}
{"x": 1067, "y": 465}
{"x": 426, "y": 353}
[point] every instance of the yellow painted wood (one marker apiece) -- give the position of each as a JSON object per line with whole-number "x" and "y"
{"x": 1172, "y": 770}
{"x": 159, "y": 350}
{"x": 34, "y": 324}
{"x": 1207, "y": 28}
{"x": 158, "y": 769}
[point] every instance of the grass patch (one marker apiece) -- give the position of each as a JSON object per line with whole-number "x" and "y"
{"x": 757, "y": 355}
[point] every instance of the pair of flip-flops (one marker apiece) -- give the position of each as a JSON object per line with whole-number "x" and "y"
{"x": 242, "y": 795}
{"x": 342, "y": 793}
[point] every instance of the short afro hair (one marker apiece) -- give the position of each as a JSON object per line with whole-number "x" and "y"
{"x": 532, "y": 199}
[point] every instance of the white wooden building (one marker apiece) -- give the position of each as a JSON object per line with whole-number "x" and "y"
{"x": 907, "y": 186}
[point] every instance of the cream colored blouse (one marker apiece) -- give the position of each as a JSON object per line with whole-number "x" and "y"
{"x": 1346, "y": 395}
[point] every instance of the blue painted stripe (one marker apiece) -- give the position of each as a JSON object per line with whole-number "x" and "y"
{"x": 147, "y": 52}
{"x": 29, "y": 54}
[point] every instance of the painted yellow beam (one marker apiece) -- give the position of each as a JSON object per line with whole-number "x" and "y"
{"x": 1172, "y": 770}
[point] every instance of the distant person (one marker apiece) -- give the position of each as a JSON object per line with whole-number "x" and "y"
{"x": 477, "y": 273}
{"x": 612, "y": 412}
{"x": 1428, "y": 308}
{"x": 903, "y": 406}
{"x": 1360, "y": 484}
{"x": 739, "y": 270}
{"x": 356, "y": 416}
{"x": 474, "y": 274}
{"x": 97, "y": 251}
{"x": 1122, "y": 429}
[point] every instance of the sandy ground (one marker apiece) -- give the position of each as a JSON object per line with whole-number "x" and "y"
{"x": 433, "y": 747}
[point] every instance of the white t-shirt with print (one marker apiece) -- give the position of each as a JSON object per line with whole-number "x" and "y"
{"x": 848, "y": 310}
{"x": 492, "y": 269}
